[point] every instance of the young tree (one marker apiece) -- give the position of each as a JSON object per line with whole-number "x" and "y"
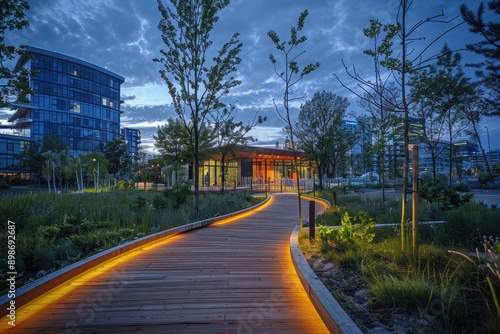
{"x": 115, "y": 152}
{"x": 401, "y": 63}
{"x": 379, "y": 97}
{"x": 32, "y": 158}
{"x": 440, "y": 93}
{"x": 230, "y": 136}
{"x": 320, "y": 129}
{"x": 75, "y": 167}
{"x": 291, "y": 75}
{"x": 195, "y": 85}
{"x": 454, "y": 88}
{"x": 489, "y": 47}
{"x": 381, "y": 119}
{"x": 12, "y": 82}
{"x": 95, "y": 166}
{"x": 474, "y": 109}
{"x": 426, "y": 110}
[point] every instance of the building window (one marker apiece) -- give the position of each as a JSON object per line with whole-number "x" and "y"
{"x": 75, "y": 107}
{"x": 104, "y": 101}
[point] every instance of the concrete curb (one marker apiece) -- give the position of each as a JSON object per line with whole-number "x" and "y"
{"x": 30, "y": 291}
{"x": 333, "y": 315}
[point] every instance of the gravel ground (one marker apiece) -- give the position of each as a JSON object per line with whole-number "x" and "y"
{"x": 349, "y": 289}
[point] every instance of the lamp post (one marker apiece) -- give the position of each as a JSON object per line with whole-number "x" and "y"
{"x": 488, "y": 134}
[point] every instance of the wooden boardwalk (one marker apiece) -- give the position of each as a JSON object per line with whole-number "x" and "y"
{"x": 229, "y": 277}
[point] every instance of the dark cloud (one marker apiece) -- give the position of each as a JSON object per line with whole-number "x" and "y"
{"x": 128, "y": 98}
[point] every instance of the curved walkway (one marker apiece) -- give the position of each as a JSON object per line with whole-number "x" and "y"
{"x": 234, "y": 276}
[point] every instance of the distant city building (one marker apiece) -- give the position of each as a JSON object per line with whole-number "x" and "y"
{"x": 75, "y": 101}
{"x": 415, "y": 131}
{"x": 131, "y": 138}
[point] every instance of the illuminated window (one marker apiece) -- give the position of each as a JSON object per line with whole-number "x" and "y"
{"x": 104, "y": 101}
{"x": 74, "y": 72}
{"x": 75, "y": 107}
{"x": 111, "y": 104}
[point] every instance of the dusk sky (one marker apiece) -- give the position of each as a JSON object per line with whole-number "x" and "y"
{"x": 122, "y": 36}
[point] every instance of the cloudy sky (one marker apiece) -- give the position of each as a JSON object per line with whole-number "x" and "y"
{"x": 122, "y": 36}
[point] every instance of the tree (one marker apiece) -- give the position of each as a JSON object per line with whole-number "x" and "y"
{"x": 443, "y": 95}
{"x": 489, "y": 47}
{"x": 75, "y": 167}
{"x": 32, "y": 158}
{"x": 230, "y": 136}
{"x": 195, "y": 85}
{"x": 58, "y": 153}
{"x": 290, "y": 76}
{"x": 54, "y": 164}
{"x": 95, "y": 166}
{"x": 401, "y": 63}
{"x": 115, "y": 152}
{"x": 172, "y": 141}
{"x": 13, "y": 82}
{"x": 474, "y": 109}
{"x": 320, "y": 129}
{"x": 379, "y": 97}
{"x": 440, "y": 92}
{"x": 380, "y": 121}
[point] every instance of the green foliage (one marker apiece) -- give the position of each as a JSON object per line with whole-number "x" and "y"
{"x": 4, "y": 185}
{"x": 484, "y": 179}
{"x": 407, "y": 292}
{"x": 122, "y": 184}
{"x": 139, "y": 202}
{"x": 354, "y": 229}
{"x": 432, "y": 282}
{"x": 195, "y": 84}
{"x": 357, "y": 228}
{"x": 16, "y": 81}
{"x": 179, "y": 194}
{"x": 147, "y": 218}
{"x": 53, "y": 231}
{"x": 436, "y": 190}
{"x": 321, "y": 132}
{"x": 466, "y": 225}
{"x": 116, "y": 155}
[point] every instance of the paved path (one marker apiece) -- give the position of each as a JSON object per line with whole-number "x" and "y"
{"x": 230, "y": 277}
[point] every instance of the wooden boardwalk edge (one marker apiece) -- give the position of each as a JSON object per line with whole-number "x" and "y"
{"x": 330, "y": 311}
{"x": 35, "y": 289}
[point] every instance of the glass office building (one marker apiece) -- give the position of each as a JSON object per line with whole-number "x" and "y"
{"x": 74, "y": 101}
{"x": 131, "y": 138}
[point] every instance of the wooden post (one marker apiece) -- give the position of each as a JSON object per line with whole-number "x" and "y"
{"x": 415, "y": 200}
{"x": 312, "y": 220}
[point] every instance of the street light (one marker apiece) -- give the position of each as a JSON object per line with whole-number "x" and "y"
{"x": 488, "y": 133}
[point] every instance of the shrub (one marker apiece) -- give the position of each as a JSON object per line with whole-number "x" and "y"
{"x": 435, "y": 190}
{"x": 356, "y": 228}
{"x": 4, "y": 185}
{"x": 408, "y": 292}
{"x": 122, "y": 184}
{"x": 179, "y": 194}
{"x": 44, "y": 258}
{"x": 139, "y": 202}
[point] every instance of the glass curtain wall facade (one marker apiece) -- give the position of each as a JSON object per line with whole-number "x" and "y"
{"x": 75, "y": 101}
{"x": 132, "y": 138}
{"x": 11, "y": 167}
